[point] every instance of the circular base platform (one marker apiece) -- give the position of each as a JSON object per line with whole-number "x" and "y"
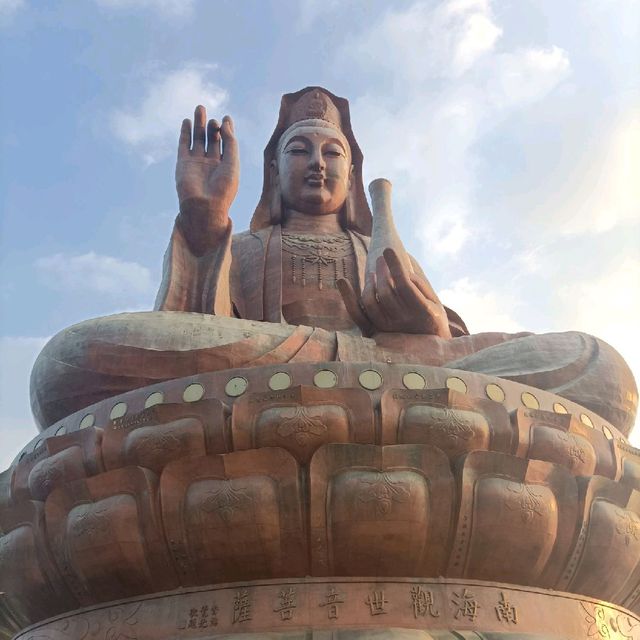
{"x": 347, "y": 608}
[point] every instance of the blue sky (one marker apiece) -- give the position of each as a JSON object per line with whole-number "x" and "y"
{"x": 510, "y": 130}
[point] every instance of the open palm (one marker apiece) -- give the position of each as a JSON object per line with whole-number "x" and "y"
{"x": 207, "y": 176}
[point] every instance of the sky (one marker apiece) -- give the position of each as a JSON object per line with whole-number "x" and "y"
{"x": 510, "y": 130}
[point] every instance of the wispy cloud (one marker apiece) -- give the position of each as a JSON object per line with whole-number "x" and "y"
{"x": 17, "y": 426}
{"x": 426, "y": 41}
{"x": 483, "y": 306}
{"x": 603, "y": 189}
{"x": 8, "y": 8}
{"x": 167, "y": 8}
{"x": 310, "y": 10}
{"x": 603, "y": 306}
{"x": 95, "y": 274}
{"x": 151, "y": 128}
{"x": 453, "y": 85}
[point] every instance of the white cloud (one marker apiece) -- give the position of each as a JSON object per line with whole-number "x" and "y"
{"x": 425, "y": 41}
{"x": 95, "y": 274}
{"x": 608, "y": 307}
{"x": 152, "y": 127}
{"x": 526, "y": 75}
{"x": 8, "y": 8}
{"x": 168, "y": 8}
{"x": 453, "y": 86}
{"x": 604, "y": 307}
{"x": 310, "y": 10}
{"x": 482, "y": 306}
{"x": 17, "y": 427}
{"x": 603, "y": 191}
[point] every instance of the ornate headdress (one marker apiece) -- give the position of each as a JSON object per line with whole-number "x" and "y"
{"x": 311, "y": 105}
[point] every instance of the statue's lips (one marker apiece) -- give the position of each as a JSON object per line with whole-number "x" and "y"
{"x": 315, "y": 180}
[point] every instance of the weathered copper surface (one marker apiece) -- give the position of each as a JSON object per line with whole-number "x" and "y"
{"x": 302, "y": 441}
{"x": 354, "y": 608}
{"x": 328, "y": 482}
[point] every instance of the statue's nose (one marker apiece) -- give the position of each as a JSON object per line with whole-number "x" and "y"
{"x": 316, "y": 161}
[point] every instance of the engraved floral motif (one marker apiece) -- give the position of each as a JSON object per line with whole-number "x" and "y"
{"x": 225, "y": 501}
{"x": 384, "y": 491}
{"x": 158, "y": 445}
{"x": 48, "y": 476}
{"x": 628, "y": 525}
{"x": 91, "y": 523}
{"x": 526, "y": 500}
{"x": 451, "y": 426}
{"x": 302, "y": 426}
{"x": 572, "y": 448}
{"x": 605, "y": 624}
{"x": 115, "y": 624}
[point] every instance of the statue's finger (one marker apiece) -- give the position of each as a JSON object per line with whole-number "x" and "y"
{"x": 424, "y": 287}
{"x": 383, "y": 274}
{"x": 184, "y": 141}
{"x": 199, "y": 129}
{"x": 386, "y": 296}
{"x": 439, "y": 323}
{"x": 394, "y": 264}
{"x": 213, "y": 140}
{"x": 390, "y": 304}
{"x": 371, "y": 302}
{"x": 404, "y": 279}
{"x": 229, "y": 142}
{"x": 352, "y": 303}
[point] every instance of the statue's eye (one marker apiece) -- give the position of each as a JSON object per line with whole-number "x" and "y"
{"x": 297, "y": 150}
{"x": 333, "y": 151}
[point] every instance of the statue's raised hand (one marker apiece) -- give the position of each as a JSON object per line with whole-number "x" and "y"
{"x": 207, "y": 175}
{"x": 395, "y": 301}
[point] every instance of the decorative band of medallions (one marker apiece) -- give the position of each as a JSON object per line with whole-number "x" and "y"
{"x": 280, "y": 608}
{"x": 374, "y": 378}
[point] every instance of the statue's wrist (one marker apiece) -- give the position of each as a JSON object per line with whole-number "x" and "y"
{"x": 203, "y": 227}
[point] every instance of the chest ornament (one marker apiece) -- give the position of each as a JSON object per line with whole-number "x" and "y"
{"x": 314, "y": 256}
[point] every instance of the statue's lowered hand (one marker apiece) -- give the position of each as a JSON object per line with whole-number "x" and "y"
{"x": 207, "y": 176}
{"x": 394, "y": 300}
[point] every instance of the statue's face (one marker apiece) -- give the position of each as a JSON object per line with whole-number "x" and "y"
{"x": 314, "y": 167}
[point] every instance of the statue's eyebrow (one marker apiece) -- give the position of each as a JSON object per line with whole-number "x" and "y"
{"x": 305, "y": 141}
{"x": 297, "y": 138}
{"x": 338, "y": 142}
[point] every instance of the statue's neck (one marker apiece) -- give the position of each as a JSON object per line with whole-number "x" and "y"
{"x": 298, "y": 222}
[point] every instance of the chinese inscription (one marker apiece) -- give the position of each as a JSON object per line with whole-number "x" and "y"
{"x": 203, "y": 617}
{"x": 506, "y": 611}
{"x": 332, "y": 599}
{"x": 241, "y": 606}
{"x": 422, "y": 602}
{"x": 286, "y": 603}
{"x": 376, "y": 601}
{"x": 466, "y": 606}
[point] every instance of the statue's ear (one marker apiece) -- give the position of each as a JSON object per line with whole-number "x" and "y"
{"x": 275, "y": 201}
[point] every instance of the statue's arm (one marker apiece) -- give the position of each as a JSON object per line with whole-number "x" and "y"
{"x": 197, "y": 263}
{"x": 196, "y": 283}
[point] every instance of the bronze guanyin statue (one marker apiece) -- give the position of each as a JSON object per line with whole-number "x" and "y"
{"x": 302, "y": 441}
